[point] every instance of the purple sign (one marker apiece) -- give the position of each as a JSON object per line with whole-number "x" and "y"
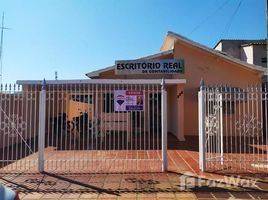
{"x": 128, "y": 100}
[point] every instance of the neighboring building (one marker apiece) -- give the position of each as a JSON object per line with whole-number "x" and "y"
{"x": 250, "y": 51}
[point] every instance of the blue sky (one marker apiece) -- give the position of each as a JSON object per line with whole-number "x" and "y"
{"x": 74, "y": 37}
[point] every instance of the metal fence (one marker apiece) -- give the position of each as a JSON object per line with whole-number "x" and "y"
{"x": 233, "y": 128}
{"x": 19, "y": 127}
{"x": 84, "y": 126}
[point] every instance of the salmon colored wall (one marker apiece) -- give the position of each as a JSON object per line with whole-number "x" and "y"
{"x": 183, "y": 111}
{"x": 213, "y": 70}
{"x": 75, "y": 109}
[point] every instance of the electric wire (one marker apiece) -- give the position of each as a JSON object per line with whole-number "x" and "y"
{"x": 228, "y": 25}
{"x": 209, "y": 16}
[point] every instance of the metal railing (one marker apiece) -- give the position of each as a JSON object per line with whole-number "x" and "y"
{"x": 233, "y": 128}
{"x": 80, "y": 125}
{"x": 19, "y": 127}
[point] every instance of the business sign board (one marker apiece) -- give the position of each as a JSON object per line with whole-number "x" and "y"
{"x": 128, "y": 100}
{"x": 162, "y": 66}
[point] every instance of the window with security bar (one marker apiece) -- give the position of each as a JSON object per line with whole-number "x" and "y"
{"x": 108, "y": 103}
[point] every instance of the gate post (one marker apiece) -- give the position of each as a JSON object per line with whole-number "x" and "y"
{"x": 164, "y": 125}
{"x": 42, "y": 123}
{"x": 202, "y": 131}
{"x": 221, "y": 129}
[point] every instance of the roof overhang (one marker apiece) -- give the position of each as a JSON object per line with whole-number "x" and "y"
{"x": 103, "y": 81}
{"x": 252, "y": 44}
{"x": 153, "y": 56}
{"x": 174, "y": 37}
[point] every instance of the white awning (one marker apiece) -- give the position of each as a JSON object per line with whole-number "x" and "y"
{"x": 103, "y": 81}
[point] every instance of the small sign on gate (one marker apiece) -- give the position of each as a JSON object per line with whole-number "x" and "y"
{"x": 128, "y": 100}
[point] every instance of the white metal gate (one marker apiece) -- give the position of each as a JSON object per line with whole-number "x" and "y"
{"x": 19, "y": 111}
{"x": 76, "y": 126}
{"x": 233, "y": 128}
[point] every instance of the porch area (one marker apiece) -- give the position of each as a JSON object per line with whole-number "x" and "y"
{"x": 125, "y": 179}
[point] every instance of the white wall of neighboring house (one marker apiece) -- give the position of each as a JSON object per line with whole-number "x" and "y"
{"x": 246, "y": 54}
{"x": 218, "y": 47}
{"x": 250, "y": 51}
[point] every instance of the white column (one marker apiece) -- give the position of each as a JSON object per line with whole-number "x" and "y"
{"x": 221, "y": 127}
{"x": 202, "y": 131}
{"x": 42, "y": 123}
{"x": 164, "y": 125}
